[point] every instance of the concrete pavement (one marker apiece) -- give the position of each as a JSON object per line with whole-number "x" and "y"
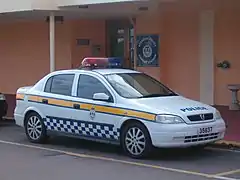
{"x": 27, "y": 164}
{"x": 64, "y": 158}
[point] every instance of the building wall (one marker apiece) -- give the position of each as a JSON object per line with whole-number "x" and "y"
{"x": 226, "y": 47}
{"x": 24, "y": 49}
{"x": 144, "y": 26}
{"x": 178, "y": 53}
{"x": 179, "y": 28}
{"x": 94, "y": 30}
{"x": 181, "y": 58}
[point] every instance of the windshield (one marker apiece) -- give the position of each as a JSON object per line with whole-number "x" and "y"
{"x": 137, "y": 85}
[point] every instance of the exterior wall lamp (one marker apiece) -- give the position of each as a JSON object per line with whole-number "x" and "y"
{"x": 224, "y": 64}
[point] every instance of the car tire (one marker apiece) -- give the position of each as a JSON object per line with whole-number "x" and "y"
{"x": 136, "y": 141}
{"x": 35, "y": 129}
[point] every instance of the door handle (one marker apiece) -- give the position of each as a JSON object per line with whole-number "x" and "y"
{"x": 76, "y": 106}
{"x": 45, "y": 101}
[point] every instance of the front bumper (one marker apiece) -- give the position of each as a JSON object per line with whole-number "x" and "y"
{"x": 185, "y": 135}
{"x": 3, "y": 108}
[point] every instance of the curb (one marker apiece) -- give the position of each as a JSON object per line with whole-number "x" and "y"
{"x": 8, "y": 118}
{"x": 227, "y": 144}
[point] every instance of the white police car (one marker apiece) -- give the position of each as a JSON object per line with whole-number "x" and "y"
{"x": 119, "y": 106}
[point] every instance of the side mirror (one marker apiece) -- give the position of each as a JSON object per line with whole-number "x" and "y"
{"x": 101, "y": 97}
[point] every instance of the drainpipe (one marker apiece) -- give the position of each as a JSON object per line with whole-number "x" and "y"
{"x": 52, "y": 41}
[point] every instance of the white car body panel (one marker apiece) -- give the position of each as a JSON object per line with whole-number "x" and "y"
{"x": 109, "y": 119}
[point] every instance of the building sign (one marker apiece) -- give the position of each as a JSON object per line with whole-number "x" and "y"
{"x": 147, "y": 50}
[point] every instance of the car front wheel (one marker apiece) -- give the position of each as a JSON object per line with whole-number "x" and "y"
{"x": 35, "y": 128}
{"x": 136, "y": 140}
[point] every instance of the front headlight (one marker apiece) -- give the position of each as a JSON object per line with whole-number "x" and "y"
{"x": 2, "y": 97}
{"x": 169, "y": 119}
{"x": 217, "y": 115}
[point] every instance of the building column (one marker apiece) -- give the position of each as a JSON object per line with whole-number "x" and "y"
{"x": 52, "y": 41}
{"x": 207, "y": 57}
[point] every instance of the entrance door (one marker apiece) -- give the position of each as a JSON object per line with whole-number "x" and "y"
{"x": 120, "y": 38}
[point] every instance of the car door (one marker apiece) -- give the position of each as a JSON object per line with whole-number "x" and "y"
{"x": 55, "y": 102}
{"x": 95, "y": 117}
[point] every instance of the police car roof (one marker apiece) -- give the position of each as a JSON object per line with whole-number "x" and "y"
{"x": 100, "y": 71}
{"x": 114, "y": 71}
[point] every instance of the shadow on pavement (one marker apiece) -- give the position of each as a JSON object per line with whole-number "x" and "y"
{"x": 75, "y": 145}
{"x": 108, "y": 149}
{"x": 4, "y": 123}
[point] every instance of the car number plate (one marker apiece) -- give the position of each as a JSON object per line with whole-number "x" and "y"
{"x": 205, "y": 130}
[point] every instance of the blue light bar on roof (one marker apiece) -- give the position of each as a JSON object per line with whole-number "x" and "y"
{"x": 115, "y": 62}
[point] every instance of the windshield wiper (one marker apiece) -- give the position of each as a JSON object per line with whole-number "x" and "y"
{"x": 158, "y": 95}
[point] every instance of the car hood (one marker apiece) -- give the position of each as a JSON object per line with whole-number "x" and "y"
{"x": 172, "y": 105}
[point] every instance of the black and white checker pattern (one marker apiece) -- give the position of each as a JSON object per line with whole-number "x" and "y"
{"x": 82, "y": 128}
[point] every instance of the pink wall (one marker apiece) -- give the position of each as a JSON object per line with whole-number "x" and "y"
{"x": 23, "y": 52}
{"x": 181, "y": 52}
{"x": 179, "y": 30}
{"x": 179, "y": 58}
{"x": 144, "y": 26}
{"x": 24, "y": 47}
{"x": 227, "y": 47}
{"x": 86, "y": 29}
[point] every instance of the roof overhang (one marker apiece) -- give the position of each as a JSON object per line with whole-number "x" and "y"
{"x": 111, "y": 8}
{"x": 66, "y": 3}
{"x": 106, "y": 9}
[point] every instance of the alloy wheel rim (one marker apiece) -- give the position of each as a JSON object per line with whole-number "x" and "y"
{"x": 135, "y": 141}
{"x": 34, "y": 127}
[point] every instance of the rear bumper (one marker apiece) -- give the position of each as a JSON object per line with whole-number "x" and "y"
{"x": 184, "y": 135}
{"x": 3, "y": 108}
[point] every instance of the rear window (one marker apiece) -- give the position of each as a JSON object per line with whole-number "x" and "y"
{"x": 60, "y": 84}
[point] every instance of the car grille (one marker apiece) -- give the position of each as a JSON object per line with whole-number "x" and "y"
{"x": 201, "y": 117}
{"x": 204, "y": 137}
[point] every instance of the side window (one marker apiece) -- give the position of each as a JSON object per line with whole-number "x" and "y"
{"x": 48, "y": 85}
{"x": 88, "y": 85}
{"x": 60, "y": 84}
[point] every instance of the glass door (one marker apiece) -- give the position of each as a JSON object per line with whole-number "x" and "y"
{"x": 131, "y": 47}
{"x": 119, "y": 41}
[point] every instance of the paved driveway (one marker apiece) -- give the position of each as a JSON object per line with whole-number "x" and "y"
{"x": 67, "y": 158}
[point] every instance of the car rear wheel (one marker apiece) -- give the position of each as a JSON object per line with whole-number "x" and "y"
{"x": 136, "y": 140}
{"x": 35, "y": 128}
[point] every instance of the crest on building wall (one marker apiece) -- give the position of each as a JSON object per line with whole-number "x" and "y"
{"x": 147, "y": 50}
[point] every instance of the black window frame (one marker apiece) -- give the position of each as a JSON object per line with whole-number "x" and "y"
{"x": 51, "y": 79}
{"x": 111, "y": 99}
